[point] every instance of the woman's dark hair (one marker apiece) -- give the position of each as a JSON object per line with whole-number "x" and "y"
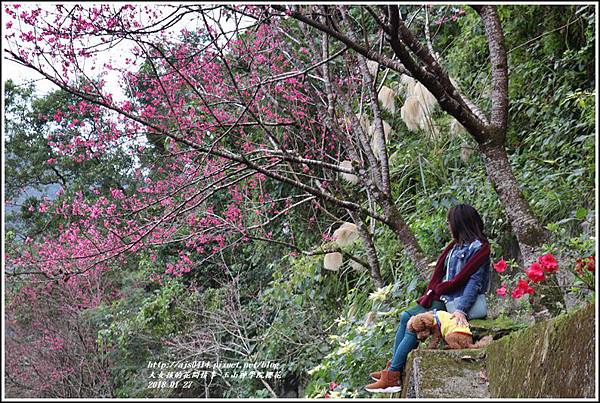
{"x": 466, "y": 224}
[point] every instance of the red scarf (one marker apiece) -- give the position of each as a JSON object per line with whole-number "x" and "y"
{"x": 437, "y": 287}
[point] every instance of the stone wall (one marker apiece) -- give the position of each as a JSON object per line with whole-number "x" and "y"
{"x": 551, "y": 359}
{"x": 444, "y": 374}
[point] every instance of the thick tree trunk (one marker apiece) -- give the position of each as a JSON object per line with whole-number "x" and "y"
{"x": 528, "y": 230}
{"x": 365, "y": 235}
{"x": 526, "y": 227}
{"x": 412, "y": 249}
{"x": 371, "y": 252}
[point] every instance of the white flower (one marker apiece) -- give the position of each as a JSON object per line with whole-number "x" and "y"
{"x": 407, "y": 84}
{"x": 341, "y": 321}
{"x": 386, "y": 97}
{"x": 332, "y": 261}
{"x": 372, "y": 65}
{"x": 346, "y": 234}
{"x": 426, "y": 98}
{"x": 412, "y": 113}
{"x": 315, "y": 369}
{"x": 380, "y": 294}
{"x": 362, "y": 330}
{"x": 346, "y": 347}
{"x": 330, "y": 355}
{"x": 418, "y": 106}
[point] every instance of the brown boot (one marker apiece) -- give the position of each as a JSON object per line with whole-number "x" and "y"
{"x": 389, "y": 383}
{"x": 377, "y": 375}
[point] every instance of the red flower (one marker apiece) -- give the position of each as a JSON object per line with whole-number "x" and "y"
{"x": 579, "y": 266}
{"x": 500, "y": 266}
{"x": 501, "y": 292}
{"x": 523, "y": 288}
{"x": 548, "y": 263}
{"x": 591, "y": 264}
{"x": 586, "y": 263}
{"x": 333, "y": 385}
{"x": 535, "y": 272}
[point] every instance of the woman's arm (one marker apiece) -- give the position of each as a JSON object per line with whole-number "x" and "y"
{"x": 472, "y": 289}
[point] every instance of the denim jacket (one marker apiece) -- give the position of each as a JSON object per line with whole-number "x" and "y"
{"x": 477, "y": 284}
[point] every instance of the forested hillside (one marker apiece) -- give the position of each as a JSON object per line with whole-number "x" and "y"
{"x": 262, "y": 190}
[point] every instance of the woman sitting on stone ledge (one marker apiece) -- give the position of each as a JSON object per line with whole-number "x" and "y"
{"x": 460, "y": 277}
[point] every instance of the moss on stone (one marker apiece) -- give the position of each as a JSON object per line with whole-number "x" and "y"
{"x": 497, "y": 327}
{"x": 444, "y": 374}
{"x": 498, "y": 322}
{"x": 554, "y": 358}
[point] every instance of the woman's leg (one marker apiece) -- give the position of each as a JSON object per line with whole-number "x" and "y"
{"x": 409, "y": 342}
{"x": 406, "y": 340}
{"x": 404, "y": 317}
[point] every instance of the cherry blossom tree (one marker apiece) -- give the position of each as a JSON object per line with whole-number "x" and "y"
{"x": 236, "y": 117}
{"x": 50, "y": 349}
{"x": 243, "y": 124}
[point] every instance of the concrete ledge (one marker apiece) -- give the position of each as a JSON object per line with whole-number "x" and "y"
{"x": 445, "y": 374}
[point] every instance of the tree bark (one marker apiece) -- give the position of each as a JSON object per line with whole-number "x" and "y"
{"x": 370, "y": 250}
{"x": 528, "y": 230}
{"x": 407, "y": 239}
{"x": 525, "y": 226}
{"x": 548, "y": 300}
